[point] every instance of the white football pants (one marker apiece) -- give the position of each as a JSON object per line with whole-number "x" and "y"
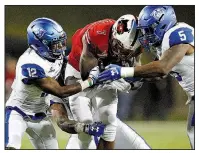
{"x": 41, "y": 133}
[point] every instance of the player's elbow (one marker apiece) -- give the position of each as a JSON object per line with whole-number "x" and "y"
{"x": 63, "y": 128}
{"x": 58, "y": 93}
{"x": 161, "y": 68}
{"x": 61, "y": 94}
{"x": 165, "y": 71}
{"x": 59, "y": 124}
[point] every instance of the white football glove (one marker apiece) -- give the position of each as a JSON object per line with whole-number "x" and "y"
{"x": 120, "y": 85}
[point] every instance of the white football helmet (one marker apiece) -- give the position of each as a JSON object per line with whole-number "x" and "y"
{"x": 124, "y": 37}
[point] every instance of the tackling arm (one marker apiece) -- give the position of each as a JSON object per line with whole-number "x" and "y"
{"x": 51, "y": 86}
{"x": 60, "y": 115}
{"x": 162, "y": 67}
{"x": 153, "y": 69}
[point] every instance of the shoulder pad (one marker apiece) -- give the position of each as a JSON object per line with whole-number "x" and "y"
{"x": 32, "y": 72}
{"x": 181, "y": 35}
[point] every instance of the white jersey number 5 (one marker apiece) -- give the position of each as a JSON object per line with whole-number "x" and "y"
{"x": 182, "y": 35}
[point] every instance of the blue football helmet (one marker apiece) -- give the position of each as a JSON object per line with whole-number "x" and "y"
{"x": 153, "y": 22}
{"x": 47, "y": 38}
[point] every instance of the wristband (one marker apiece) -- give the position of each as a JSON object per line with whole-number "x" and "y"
{"x": 127, "y": 72}
{"x": 90, "y": 81}
{"x": 87, "y": 83}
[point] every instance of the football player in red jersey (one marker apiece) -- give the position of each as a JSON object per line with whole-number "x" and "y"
{"x": 99, "y": 44}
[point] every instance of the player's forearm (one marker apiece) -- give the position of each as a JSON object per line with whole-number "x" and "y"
{"x": 162, "y": 67}
{"x": 153, "y": 69}
{"x": 69, "y": 90}
{"x": 62, "y": 91}
{"x": 59, "y": 114}
{"x": 66, "y": 125}
{"x": 51, "y": 86}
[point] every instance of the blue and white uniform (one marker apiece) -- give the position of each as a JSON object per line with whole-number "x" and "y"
{"x": 182, "y": 33}
{"x": 26, "y": 107}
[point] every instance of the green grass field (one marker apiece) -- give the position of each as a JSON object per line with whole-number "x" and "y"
{"x": 158, "y": 134}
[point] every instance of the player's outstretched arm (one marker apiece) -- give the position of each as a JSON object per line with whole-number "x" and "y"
{"x": 167, "y": 61}
{"x": 51, "y": 86}
{"x": 153, "y": 69}
{"x": 59, "y": 113}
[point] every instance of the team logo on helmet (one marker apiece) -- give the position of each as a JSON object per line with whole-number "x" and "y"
{"x": 63, "y": 35}
{"x": 158, "y": 13}
{"x": 40, "y": 32}
{"x": 122, "y": 27}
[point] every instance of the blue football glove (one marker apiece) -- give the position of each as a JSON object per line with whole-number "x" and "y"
{"x": 95, "y": 129}
{"x": 112, "y": 72}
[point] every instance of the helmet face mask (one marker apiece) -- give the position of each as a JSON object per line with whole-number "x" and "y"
{"x": 47, "y": 38}
{"x": 148, "y": 37}
{"x": 56, "y": 48}
{"x": 119, "y": 51}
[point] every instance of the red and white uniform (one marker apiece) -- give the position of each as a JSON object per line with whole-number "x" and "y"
{"x": 98, "y": 104}
{"x": 97, "y": 35}
{"x": 104, "y": 101}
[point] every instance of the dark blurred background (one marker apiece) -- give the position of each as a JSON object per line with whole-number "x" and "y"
{"x": 163, "y": 100}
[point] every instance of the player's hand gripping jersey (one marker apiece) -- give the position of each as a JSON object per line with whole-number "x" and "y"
{"x": 25, "y": 95}
{"x": 97, "y": 36}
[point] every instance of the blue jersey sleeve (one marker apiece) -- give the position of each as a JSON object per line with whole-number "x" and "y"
{"x": 32, "y": 72}
{"x": 181, "y": 35}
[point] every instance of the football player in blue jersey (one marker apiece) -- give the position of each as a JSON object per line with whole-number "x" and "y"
{"x": 174, "y": 41}
{"x": 36, "y": 72}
